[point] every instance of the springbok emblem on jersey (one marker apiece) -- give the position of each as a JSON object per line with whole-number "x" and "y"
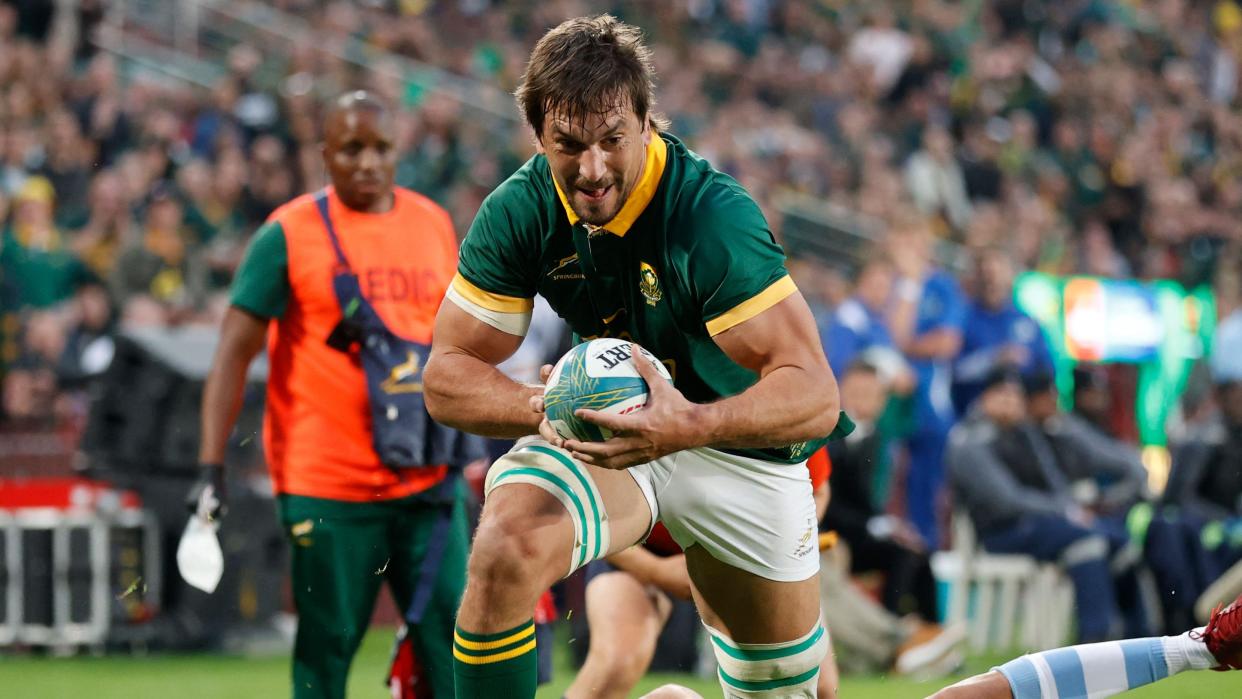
{"x": 649, "y": 284}
{"x": 399, "y": 379}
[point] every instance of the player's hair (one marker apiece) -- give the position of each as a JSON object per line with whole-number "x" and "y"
{"x": 585, "y": 66}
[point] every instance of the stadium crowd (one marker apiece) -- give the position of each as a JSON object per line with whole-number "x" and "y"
{"x": 1086, "y": 136}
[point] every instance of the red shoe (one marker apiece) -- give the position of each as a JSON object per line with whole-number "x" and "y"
{"x": 1223, "y": 635}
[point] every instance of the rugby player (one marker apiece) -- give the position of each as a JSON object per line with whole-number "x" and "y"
{"x": 628, "y": 233}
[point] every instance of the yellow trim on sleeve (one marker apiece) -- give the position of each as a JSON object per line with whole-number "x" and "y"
{"x": 776, "y": 292}
{"x": 486, "y": 299}
{"x": 644, "y": 191}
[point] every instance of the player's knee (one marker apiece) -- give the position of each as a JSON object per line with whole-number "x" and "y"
{"x": 508, "y": 556}
{"x": 771, "y": 670}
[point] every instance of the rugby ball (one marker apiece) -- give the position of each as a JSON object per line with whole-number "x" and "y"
{"x": 596, "y": 375}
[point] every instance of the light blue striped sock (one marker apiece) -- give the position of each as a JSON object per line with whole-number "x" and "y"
{"x": 1100, "y": 670}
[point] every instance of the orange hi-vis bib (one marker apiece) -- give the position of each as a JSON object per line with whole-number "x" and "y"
{"x": 318, "y": 422}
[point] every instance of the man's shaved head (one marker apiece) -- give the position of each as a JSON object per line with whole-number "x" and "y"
{"x": 356, "y": 101}
{"x": 359, "y": 151}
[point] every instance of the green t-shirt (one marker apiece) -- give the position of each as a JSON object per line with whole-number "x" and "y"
{"x": 39, "y": 278}
{"x": 261, "y": 284}
{"x": 698, "y": 259}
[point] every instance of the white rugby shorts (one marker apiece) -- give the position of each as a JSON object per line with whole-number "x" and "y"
{"x": 755, "y": 515}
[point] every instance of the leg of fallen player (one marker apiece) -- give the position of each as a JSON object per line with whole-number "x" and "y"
{"x": 625, "y": 618}
{"x": 1099, "y": 670}
{"x": 761, "y": 628}
{"x": 527, "y": 539}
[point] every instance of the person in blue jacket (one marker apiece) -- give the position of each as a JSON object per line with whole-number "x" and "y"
{"x": 995, "y": 332}
{"x": 926, "y": 324}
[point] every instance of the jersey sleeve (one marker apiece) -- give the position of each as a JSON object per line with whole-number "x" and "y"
{"x": 261, "y": 285}
{"x": 495, "y": 279}
{"x": 736, "y": 270}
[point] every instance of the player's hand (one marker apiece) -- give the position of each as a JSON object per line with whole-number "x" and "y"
{"x": 208, "y": 497}
{"x": 668, "y": 423}
{"x": 536, "y": 401}
{"x": 907, "y": 259}
{"x": 546, "y": 430}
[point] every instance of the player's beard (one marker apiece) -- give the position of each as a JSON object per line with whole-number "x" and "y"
{"x": 601, "y": 211}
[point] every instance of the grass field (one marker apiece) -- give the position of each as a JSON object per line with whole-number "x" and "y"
{"x": 213, "y": 676}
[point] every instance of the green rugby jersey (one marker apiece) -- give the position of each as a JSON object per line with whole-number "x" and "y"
{"x": 688, "y": 256}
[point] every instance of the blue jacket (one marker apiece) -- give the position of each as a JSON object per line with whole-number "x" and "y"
{"x": 941, "y": 307}
{"x": 985, "y": 334}
{"x": 853, "y": 329}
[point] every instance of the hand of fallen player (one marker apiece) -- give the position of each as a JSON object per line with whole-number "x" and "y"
{"x": 665, "y": 425}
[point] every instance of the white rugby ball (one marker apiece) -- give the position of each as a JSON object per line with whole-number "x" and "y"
{"x": 596, "y": 375}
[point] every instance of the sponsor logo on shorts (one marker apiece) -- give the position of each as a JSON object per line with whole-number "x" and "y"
{"x": 808, "y": 542}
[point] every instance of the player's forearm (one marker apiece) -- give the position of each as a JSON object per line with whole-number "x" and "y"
{"x": 471, "y": 395}
{"x": 789, "y": 404}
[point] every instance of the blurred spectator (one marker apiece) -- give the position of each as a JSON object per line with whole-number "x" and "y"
{"x": 1207, "y": 473}
{"x": 1108, "y": 480}
{"x": 109, "y": 225}
{"x": 877, "y": 541}
{"x": 859, "y": 323}
{"x": 1092, "y": 399}
{"x": 995, "y": 333}
{"x": 935, "y": 179}
{"x": 1005, "y": 479}
{"x": 89, "y": 346}
{"x": 33, "y": 252}
{"x": 161, "y": 264}
{"x": 926, "y": 323}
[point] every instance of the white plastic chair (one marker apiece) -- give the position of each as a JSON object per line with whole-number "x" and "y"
{"x": 1008, "y": 589}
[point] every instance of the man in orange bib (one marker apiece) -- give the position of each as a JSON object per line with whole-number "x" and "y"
{"x": 355, "y": 514}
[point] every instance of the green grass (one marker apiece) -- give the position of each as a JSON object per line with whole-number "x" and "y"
{"x": 214, "y": 676}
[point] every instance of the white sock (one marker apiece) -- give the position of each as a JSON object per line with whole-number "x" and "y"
{"x": 1184, "y": 652}
{"x": 1100, "y": 670}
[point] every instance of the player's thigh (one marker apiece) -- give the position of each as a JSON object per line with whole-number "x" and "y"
{"x": 582, "y": 512}
{"x": 989, "y": 685}
{"x": 749, "y": 530}
{"x": 749, "y": 608}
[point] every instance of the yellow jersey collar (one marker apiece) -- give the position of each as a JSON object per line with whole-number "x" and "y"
{"x": 657, "y": 155}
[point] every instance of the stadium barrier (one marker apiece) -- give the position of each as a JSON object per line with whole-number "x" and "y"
{"x": 80, "y": 562}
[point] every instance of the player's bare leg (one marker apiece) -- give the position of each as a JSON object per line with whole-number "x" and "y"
{"x": 829, "y": 675}
{"x": 751, "y": 611}
{"x": 527, "y": 539}
{"x": 989, "y": 685}
{"x": 626, "y": 618}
